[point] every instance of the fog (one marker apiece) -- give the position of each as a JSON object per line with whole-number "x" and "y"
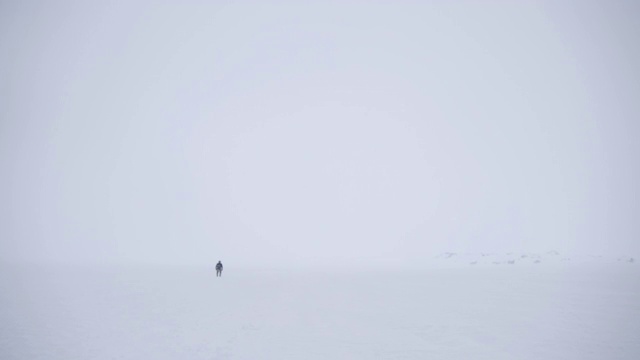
{"x": 317, "y": 133}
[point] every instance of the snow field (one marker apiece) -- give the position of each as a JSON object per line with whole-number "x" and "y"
{"x": 576, "y": 312}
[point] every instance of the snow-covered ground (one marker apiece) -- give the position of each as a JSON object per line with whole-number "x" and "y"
{"x": 467, "y": 312}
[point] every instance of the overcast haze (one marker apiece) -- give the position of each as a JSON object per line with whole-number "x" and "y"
{"x": 330, "y": 132}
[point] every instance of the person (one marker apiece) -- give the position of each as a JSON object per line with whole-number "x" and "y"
{"x": 219, "y": 269}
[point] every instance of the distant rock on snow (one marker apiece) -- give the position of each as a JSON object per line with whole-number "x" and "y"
{"x": 548, "y": 258}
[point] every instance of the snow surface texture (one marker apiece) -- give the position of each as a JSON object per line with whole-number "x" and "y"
{"x": 472, "y": 312}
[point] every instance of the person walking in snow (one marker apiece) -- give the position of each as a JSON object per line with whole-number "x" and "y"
{"x": 219, "y": 269}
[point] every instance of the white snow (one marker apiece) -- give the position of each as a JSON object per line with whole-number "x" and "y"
{"x": 471, "y": 312}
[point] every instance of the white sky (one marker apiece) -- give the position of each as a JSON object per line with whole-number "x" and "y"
{"x": 317, "y": 132}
